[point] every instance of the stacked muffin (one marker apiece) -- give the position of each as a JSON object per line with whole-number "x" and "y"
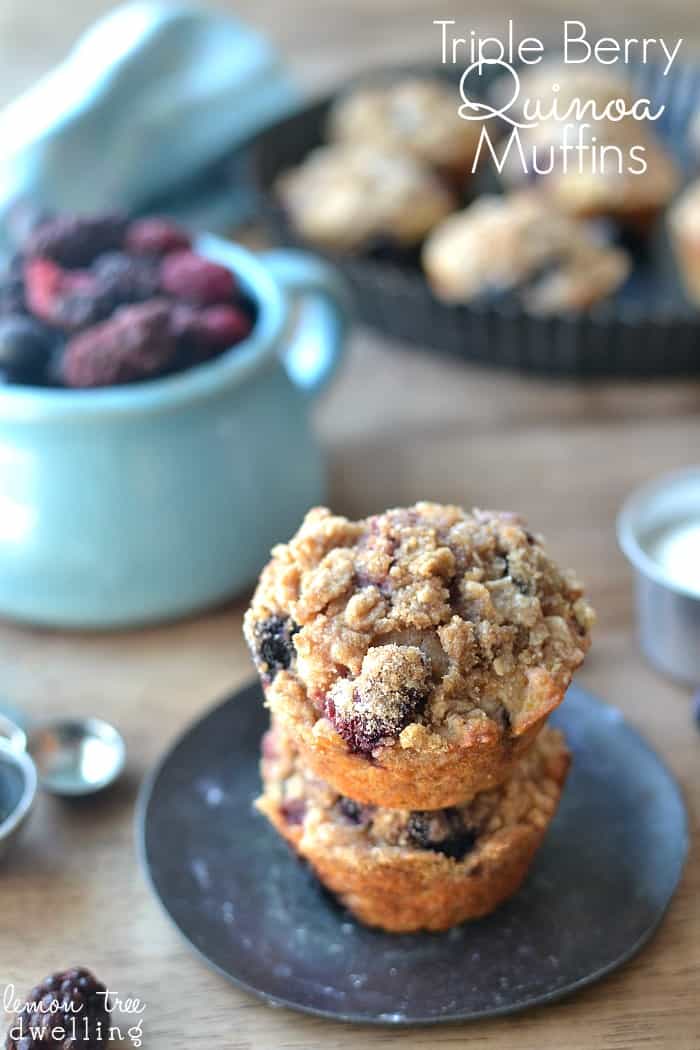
{"x": 410, "y": 661}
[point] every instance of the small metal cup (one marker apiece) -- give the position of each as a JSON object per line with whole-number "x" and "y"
{"x": 18, "y": 787}
{"x": 668, "y": 613}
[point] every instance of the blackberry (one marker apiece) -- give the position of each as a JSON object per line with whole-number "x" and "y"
{"x": 274, "y": 648}
{"x": 66, "y": 1011}
{"x": 196, "y": 280}
{"x": 12, "y": 297}
{"x": 135, "y": 344}
{"x": 76, "y": 240}
{"x": 154, "y": 236}
{"x": 26, "y": 347}
{"x": 442, "y": 831}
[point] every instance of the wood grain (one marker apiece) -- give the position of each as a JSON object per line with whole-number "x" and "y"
{"x": 422, "y": 427}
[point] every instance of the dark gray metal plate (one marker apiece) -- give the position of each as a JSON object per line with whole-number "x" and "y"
{"x": 597, "y": 891}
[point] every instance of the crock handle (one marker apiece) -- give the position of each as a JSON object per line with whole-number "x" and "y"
{"x": 315, "y": 345}
{"x": 12, "y": 733}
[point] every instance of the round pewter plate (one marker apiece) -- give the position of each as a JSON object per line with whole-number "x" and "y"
{"x": 597, "y": 891}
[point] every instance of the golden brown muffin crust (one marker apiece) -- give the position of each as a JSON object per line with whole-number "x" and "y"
{"x": 404, "y": 870}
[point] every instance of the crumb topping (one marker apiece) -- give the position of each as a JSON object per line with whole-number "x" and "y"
{"x": 420, "y": 618}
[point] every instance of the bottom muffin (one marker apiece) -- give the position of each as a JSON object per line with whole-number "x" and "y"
{"x": 405, "y": 870}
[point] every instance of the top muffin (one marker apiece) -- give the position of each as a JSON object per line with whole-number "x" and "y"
{"x": 427, "y": 638}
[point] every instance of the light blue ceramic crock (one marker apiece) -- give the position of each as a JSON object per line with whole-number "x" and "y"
{"x": 134, "y": 504}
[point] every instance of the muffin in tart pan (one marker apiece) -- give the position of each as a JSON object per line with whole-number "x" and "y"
{"x": 404, "y": 870}
{"x": 643, "y": 326}
{"x": 412, "y": 114}
{"x": 412, "y": 657}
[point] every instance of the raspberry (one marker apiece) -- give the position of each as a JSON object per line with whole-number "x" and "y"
{"x": 51, "y": 292}
{"x": 136, "y": 343}
{"x": 75, "y": 240}
{"x": 66, "y": 1011}
{"x": 274, "y": 649}
{"x": 74, "y": 299}
{"x": 155, "y": 236}
{"x": 199, "y": 281}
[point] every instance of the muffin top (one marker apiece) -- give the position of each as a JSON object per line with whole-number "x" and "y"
{"x": 529, "y": 796}
{"x": 407, "y": 623}
{"x": 345, "y": 196}
{"x": 519, "y": 242}
{"x": 416, "y": 114}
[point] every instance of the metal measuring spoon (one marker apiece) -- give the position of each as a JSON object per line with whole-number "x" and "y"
{"x": 76, "y": 756}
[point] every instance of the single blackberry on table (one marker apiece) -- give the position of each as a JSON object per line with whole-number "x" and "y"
{"x": 135, "y": 344}
{"x": 442, "y": 831}
{"x": 66, "y": 1011}
{"x": 273, "y": 645}
{"x": 26, "y": 347}
{"x": 76, "y": 240}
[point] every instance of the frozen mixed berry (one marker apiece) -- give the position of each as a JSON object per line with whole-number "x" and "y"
{"x": 390, "y": 692}
{"x": 12, "y": 297}
{"x": 224, "y": 326}
{"x": 76, "y": 240}
{"x": 135, "y": 344}
{"x": 273, "y": 645}
{"x": 66, "y": 1011}
{"x": 188, "y": 276}
{"x": 55, "y": 295}
{"x": 202, "y": 334}
{"x": 441, "y": 830}
{"x": 26, "y": 347}
{"x": 155, "y": 236}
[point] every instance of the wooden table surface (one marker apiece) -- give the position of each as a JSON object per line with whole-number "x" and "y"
{"x": 397, "y": 426}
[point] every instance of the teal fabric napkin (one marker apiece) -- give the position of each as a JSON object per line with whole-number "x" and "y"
{"x": 149, "y": 97}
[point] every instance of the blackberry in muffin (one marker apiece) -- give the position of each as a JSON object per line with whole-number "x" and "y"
{"x": 423, "y": 650}
{"x": 405, "y": 870}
